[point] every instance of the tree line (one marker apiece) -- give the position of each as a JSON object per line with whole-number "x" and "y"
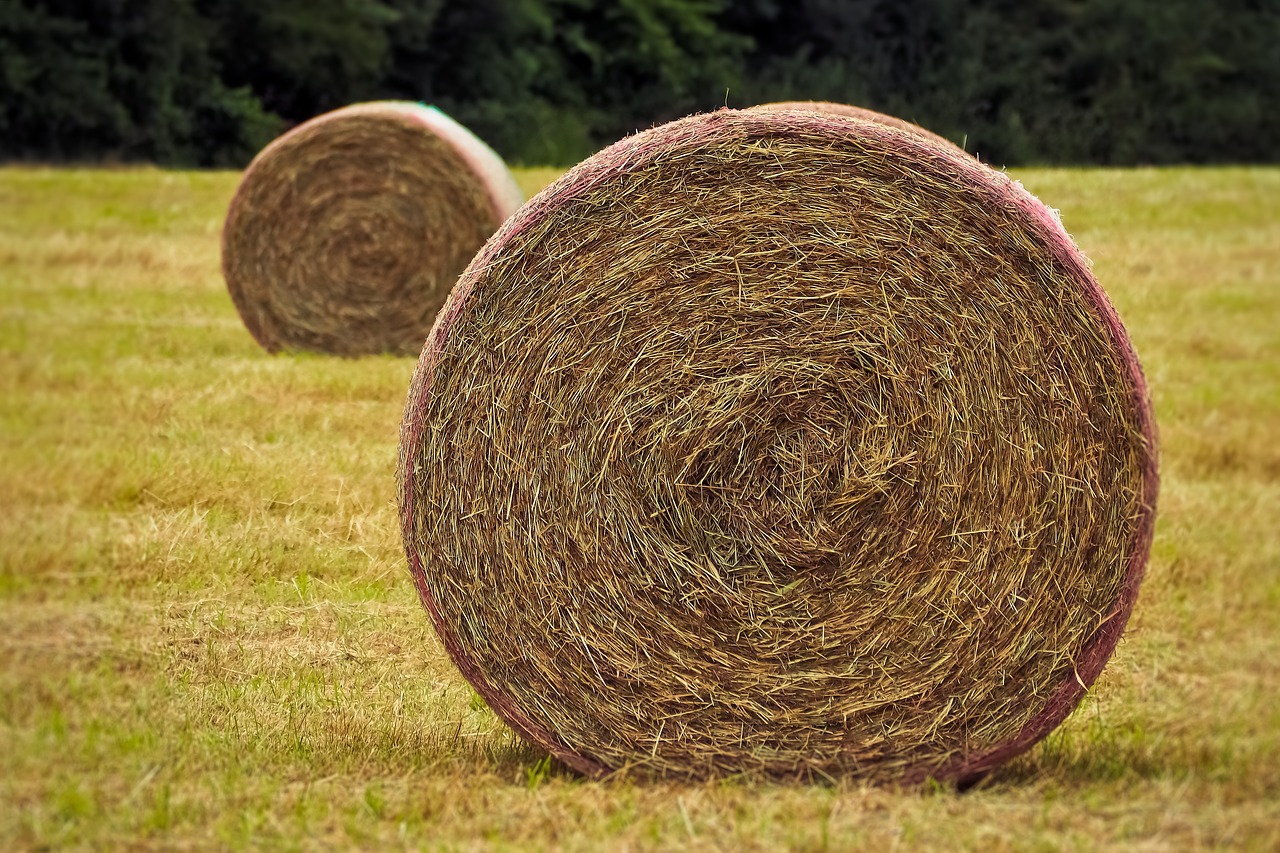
{"x": 547, "y": 82}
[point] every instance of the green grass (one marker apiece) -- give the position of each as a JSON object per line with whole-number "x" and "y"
{"x": 208, "y": 636}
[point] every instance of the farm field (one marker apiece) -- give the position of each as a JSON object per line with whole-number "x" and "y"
{"x": 208, "y": 636}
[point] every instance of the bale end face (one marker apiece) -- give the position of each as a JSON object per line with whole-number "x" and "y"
{"x": 772, "y": 442}
{"x": 347, "y": 233}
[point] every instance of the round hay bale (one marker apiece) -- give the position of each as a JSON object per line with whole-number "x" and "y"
{"x": 757, "y": 443}
{"x": 347, "y": 233}
{"x": 850, "y": 111}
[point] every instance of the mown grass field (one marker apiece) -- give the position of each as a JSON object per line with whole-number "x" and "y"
{"x": 208, "y": 637}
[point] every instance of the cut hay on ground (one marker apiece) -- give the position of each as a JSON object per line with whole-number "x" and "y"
{"x": 757, "y": 443}
{"x": 347, "y": 233}
{"x": 859, "y": 113}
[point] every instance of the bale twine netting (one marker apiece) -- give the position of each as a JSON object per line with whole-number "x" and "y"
{"x": 779, "y": 443}
{"x": 347, "y": 233}
{"x": 850, "y": 111}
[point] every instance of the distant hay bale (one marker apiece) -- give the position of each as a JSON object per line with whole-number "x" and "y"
{"x": 860, "y": 113}
{"x": 757, "y": 443}
{"x": 347, "y": 233}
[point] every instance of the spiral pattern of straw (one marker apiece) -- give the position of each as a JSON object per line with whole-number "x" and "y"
{"x": 779, "y": 443}
{"x": 347, "y": 233}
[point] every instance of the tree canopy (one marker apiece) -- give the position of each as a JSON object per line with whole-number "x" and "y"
{"x": 208, "y": 82}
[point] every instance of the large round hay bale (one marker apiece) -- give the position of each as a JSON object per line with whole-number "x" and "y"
{"x": 780, "y": 443}
{"x": 851, "y": 111}
{"x": 347, "y": 233}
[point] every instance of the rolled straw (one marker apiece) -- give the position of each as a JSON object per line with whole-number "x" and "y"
{"x": 850, "y": 111}
{"x": 347, "y": 233}
{"x": 779, "y": 443}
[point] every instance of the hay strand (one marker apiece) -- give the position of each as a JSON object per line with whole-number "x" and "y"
{"x": 347, "y": 233}
{"x": 775, "y": 442}
{"x": 850, "y": 111}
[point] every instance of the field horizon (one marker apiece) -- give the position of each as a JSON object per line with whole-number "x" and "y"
{"x": 210, "y": 638}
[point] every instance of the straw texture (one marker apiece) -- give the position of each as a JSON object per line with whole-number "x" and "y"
{"x": 347, "y": 233}
{"x": 850, "y": 111}
{"x": 780, "y": 443}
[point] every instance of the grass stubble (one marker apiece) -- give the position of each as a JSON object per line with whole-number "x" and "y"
{"x": 209, "y": 637}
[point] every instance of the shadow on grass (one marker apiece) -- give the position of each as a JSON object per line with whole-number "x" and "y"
{"x": 467, "y": 739}
{"x": 1101, "y": 754}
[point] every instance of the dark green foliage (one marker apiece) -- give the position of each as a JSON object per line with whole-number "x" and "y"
{"x": 302, "y": 57}
{"x": 1051, "y": 81}
{"x": 549, "y": 81}
{"x": 128, "y": 80}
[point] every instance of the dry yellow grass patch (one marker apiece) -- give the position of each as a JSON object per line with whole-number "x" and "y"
{"x": 210, "y": 640}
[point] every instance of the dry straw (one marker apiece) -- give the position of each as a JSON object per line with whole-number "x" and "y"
{"x": 849, "y": 111}
{"x": 779, "y": 443}
{"x": 347, "y": 233}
